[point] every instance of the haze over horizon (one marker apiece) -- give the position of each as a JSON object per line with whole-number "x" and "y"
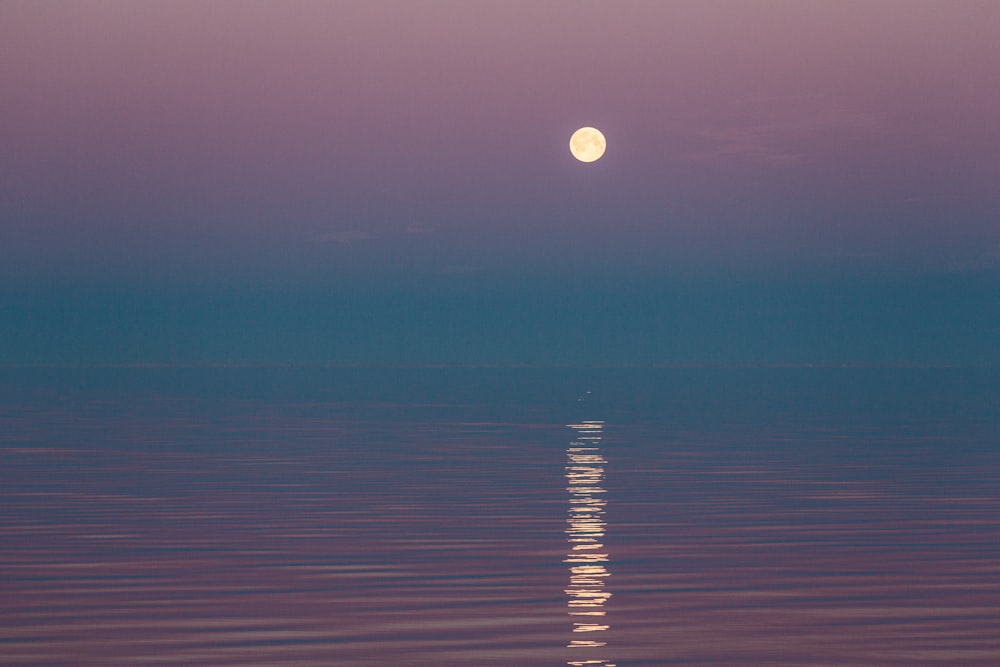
{"x": 388, "y": 183}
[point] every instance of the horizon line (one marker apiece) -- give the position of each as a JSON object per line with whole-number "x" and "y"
{"x": 494, "y": 366}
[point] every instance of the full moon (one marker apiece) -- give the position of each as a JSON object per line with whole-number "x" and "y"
{"x": 587, "y": 144}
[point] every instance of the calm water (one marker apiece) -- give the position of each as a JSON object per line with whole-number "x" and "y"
{"x": 446, "y": 517}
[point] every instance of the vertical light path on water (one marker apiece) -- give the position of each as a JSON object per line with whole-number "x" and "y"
{"x": 587, "y": 558}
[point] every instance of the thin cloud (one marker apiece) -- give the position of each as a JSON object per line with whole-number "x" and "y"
{"x": 418, "y": 229}
{"x": 341, "y": 236}
{"x": 776, "y": 131}
{"x": 926, "y": 197}
{"x": 987, "y": 261}
{"x": 853, "y": 254}
{"x": 744, "y": 144}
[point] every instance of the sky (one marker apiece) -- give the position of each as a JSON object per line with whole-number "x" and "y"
{"x": 389, "y": 182}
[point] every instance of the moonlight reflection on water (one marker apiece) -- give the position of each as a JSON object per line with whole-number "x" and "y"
{"x": 585, "y": 529}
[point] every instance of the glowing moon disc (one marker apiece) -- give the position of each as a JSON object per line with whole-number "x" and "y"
{"x": 587, "y": 144}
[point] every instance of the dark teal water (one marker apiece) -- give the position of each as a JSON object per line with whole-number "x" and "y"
{"x": 432, "y": 517}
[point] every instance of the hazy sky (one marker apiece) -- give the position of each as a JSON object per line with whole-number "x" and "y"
{"x": 390, "y": 181}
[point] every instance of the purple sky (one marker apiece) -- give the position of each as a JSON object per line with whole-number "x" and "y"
{"x": 164, "y": 140}
{"x": 746, "y": 130}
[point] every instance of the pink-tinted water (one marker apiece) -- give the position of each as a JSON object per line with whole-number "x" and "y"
{"x": 170, "y": 531}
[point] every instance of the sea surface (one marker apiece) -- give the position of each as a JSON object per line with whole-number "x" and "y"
{"x": 499, "y": 517}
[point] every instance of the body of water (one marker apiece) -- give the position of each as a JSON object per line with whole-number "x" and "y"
{"x": 593, "y": 518}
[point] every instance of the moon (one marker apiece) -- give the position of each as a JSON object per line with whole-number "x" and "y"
{"x": 587, "y": 144}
